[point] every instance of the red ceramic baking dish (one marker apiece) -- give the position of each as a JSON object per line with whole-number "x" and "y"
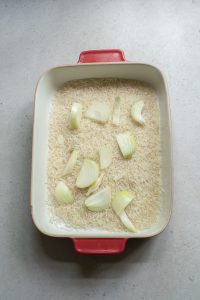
{"x": 95, "y": 64}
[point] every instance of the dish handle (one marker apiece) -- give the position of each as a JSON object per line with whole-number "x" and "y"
{"x": 104, "y": 55}
{"x": 99, "y": 245}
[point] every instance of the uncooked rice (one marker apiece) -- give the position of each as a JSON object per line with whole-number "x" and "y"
{"x": 141, "y": 174}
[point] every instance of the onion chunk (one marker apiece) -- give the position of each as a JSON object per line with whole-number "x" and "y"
{"x": 127, "y": 144}
{"x": 136, "y": 112}
{"x": 75, "y": 116}
{"x": 71, "y": 163}
{"x": 99, "y": 201}
{"x": 119, "y": 203}
{"x": 88, "y": 174}
{"x": 94, "y": 187}
{"x": 63, "y": 193}
{"x": 98, "y": 112}
{"x": 116, "y": 111}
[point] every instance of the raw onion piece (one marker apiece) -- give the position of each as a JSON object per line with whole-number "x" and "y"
{"x": 88, "y": 174}
{"x": 71, "y": 162}
{"x": 105, "y": 155}
{"x": 116, "y": 111}
{"x": 63, "y": 193}
{"x": 100, "y": 200}
{"x": 98, "y": 112}
{"x": 75, "y": 115}
{"x": 136, "y": 112}
{"x": 119, "y": 203}
{"x": 94, "y": 187}
{"x": 127, "y": 144}
{"x": 127, "y": 223}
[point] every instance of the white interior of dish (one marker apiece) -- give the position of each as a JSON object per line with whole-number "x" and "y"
{"x": 51, "y": 81}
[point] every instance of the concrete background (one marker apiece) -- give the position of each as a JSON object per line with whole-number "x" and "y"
{"x": 37, "y": 35}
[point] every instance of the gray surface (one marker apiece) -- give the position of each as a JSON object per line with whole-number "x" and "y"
{"x": 37, "y": 35}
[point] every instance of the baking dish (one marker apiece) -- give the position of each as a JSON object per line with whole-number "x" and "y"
{"x": 95, "y": 64}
